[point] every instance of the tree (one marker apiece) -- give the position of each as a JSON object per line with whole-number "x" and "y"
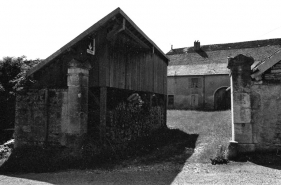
{"x": 12, "y": 78}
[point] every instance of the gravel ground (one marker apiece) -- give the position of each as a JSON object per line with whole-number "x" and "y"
{"x": 165, "y": 173}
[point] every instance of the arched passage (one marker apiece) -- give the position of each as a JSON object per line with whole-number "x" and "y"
{"x": 222, "y": 99}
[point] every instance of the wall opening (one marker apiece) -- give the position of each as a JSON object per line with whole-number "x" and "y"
{"x": 222, "y": 99}
{"x": 170, "y": 101}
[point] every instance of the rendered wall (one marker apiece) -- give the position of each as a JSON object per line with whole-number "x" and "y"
{"x": 180, "y": 88}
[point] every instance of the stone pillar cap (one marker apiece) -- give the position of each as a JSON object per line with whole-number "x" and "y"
{"x": 78, "y": 64}
{"x": 239, "y": 60}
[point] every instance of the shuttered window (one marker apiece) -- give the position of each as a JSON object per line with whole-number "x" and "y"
{"x": 195, "y": 83}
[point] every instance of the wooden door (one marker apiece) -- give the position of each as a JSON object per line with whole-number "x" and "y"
{"x": 194, "y": 101}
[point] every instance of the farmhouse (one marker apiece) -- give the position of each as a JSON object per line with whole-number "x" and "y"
{"x": 109, "y": 82}
{"x": 198, "y": 77}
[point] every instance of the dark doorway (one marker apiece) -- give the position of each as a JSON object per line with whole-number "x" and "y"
{"x": 222, "y": 99}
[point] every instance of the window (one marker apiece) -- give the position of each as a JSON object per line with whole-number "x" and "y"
{"x": 195, "y": 83}
{"x": 170, "y": 100}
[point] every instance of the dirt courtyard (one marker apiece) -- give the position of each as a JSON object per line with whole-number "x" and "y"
{"x": 197, "y": 169}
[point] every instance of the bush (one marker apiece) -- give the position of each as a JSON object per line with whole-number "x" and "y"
{"x": 221, "y": 156}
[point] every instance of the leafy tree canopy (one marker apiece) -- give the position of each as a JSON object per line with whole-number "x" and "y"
{"x": 13, "y": 73}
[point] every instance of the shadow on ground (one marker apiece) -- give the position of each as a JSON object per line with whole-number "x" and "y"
{"x": 266, "y": 159}
{"x": 156, "y": 159}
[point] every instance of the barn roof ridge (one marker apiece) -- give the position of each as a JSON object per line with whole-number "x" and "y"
{"x": 88, "y": 32}
{"x": 227, "y": 46}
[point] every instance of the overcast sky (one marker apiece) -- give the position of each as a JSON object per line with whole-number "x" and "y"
{"x": 37, "y": 28}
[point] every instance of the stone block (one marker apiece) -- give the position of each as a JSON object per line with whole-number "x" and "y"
{"x": 243, "y": 132}
{"x": 255, "y": 100}
{"x": 242, "y": 115}
{"x": 242, "y": 99}
{"x": 245, "y": 148}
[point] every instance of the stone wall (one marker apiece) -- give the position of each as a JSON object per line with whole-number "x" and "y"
{"x": 266, "y": 116}
{"x": 39, "y": 114}
{"x": 256, "y": 106}
{"x": 132, "y": 115}
{"x": 128, "y": 122}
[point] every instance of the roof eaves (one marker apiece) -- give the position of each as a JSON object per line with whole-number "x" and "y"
{"x": 265, "y": 65}
{"x": 73, "y": 41}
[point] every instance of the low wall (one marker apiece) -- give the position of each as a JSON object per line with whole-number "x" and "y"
{"x": 132, "y": 115}
{"x": 39, "y": 114}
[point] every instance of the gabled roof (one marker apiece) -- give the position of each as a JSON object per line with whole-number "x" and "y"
{"x": 215, "y": 56}
{"x": 92, "y": 29}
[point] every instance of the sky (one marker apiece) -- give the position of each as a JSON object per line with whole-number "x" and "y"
{"x": 38, "y": 28}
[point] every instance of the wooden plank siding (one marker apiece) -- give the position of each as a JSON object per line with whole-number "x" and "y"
{"x": 118, "y": 64}
{"x": 136, "y": 71}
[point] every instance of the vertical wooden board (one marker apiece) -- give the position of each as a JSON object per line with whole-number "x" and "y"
{"x": 128, "y": 72}
{"x": 134, "y": 76}
{"x": 132, "y": 70}
{"x": 111, "y": 68}
{"x": 122, "y": 78}
{"x": 154, "y": 74}
{"x": 150, "y": 73}
{"x": 143, "y": 67}
{"x": 138, "y": 72}
{"x": 146, "y": 73}
{"x": 116, "y": 66}
{"x": 160, "y": 78}
{"x": 160, "y": 82}
{"x": 137, "y": 64}
{"x": 165, "y": 78}
{"x": 107, "y": 68}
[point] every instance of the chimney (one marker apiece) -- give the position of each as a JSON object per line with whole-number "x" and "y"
{"x": 196, "y": 45}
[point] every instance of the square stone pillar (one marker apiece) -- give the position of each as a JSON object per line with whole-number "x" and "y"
{"x": 242, "y": 132}
{"x": 77, "y": 102}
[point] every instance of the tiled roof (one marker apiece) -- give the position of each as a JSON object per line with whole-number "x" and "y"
{"x": 200, "y": 69}
{"x": 211, "y": 59}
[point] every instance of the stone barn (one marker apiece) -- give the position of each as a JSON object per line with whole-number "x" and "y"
{"x": 256, "y": 102}
{"x": 108, "y": 82}
{"x": 198, "y": 77}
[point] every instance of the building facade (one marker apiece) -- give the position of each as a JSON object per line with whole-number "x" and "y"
{"x": 198, "y": 77}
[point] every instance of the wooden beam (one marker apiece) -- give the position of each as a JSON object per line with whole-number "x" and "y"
{"x": 133, "y": 36}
